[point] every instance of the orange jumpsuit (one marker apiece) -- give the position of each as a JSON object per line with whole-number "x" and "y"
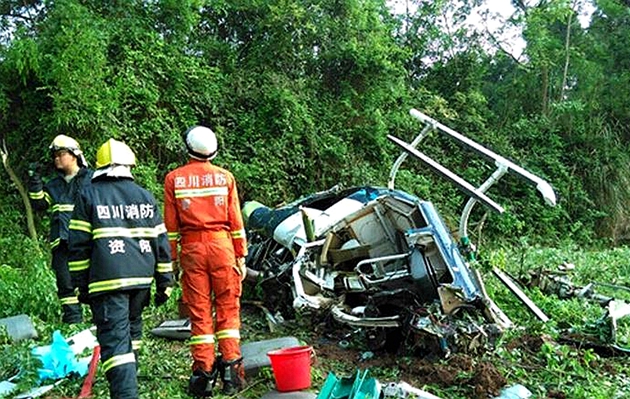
{"x": 202, "y": 214}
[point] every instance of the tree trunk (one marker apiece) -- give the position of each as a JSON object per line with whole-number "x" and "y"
{"x": 567, "y": 41}
{"x": 544, "y": 88}
{"x": 32, "y": 231}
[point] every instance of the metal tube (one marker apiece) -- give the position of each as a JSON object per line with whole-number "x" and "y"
{"x": 403, "y": 156}
{"x": 448, "y": 174}
{"x": 541, "y": 185}
{"x": 463, "y": 222}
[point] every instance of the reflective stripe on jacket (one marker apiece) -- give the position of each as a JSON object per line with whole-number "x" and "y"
{"x": 118, "y": 239}
{"x": 59, "y": 196}
{"x": 202, "y": 197}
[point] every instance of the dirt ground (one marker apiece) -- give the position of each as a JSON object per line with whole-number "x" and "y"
{"x": 482, "y": 377}
{"x": 342, "y": 351}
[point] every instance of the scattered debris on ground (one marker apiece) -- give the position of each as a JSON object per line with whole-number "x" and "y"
{"x": 608, "y": 335}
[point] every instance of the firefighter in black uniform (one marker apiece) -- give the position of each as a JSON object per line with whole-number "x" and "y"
{"x": 59, "y": 194}
{"x": 118, "y": 246}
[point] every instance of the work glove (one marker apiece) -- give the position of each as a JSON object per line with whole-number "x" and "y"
{"x": 162, "y": 295}
{"x": 34, "y": 170}
{"x": 241, "y": 267}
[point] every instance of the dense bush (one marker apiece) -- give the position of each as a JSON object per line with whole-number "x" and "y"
{"x": 302, "y": 96}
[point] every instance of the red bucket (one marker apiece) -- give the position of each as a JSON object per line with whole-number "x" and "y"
{"x": 291, "y": 367}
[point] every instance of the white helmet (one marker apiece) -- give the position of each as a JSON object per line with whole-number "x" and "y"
{"x": 201, "y": 143}
{"x": 63, "y": 142}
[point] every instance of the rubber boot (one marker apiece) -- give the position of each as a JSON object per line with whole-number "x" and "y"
{"x": 201, "y": 383}
{"x": 233, "y": 376}
{"x": 72, "y": 314}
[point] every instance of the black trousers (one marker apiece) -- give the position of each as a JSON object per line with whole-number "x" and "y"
{"x": 65, "y": 291}
{"x": 118, "y": 319}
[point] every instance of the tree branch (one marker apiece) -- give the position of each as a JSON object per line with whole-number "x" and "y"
{"x": 497, "y": 43}
{"x": 519, "y": 4}
{"x": 567, "y": 57}
{"x": 23, "y": 193}
{"x": 24, "y": 17}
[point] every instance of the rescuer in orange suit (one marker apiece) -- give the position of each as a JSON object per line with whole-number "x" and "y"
{"x": 202, "y": 214}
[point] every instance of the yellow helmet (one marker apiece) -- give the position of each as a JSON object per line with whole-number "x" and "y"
{"x": 63, "y": 142}
{"x": 114, "y": 152}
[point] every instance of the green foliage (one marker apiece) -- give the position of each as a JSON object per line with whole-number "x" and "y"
{"x": 16, "y": 358}
{"x": 37, "y": 298}
{"x": 298, "y": 91}
{"x": 302, "y": 95}
{"x": 549, "y": 367}
{"x": 555, "y": 367}
{"x": 622, "y": 337}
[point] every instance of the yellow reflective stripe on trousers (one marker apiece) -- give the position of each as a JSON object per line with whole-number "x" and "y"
{"x": 80, "y": 225}
{"x": 71, "y": 300}
{"x": 238, "y": 233}
{"x": 223, "y": 334}
{"x": 201, "y": 339}
{"x": 138, "y": 232}
{"x": 78, "y": 265}
{"x": 165, "y": 267}
{"x": 201, "y": 192}
{"x": 48, "y": 198}
{"x": 109, "y": 285}
{"x": 173, "y": 235}
{"x": 118, "y": 360}
{"x": 136, "y": 344}
{"x": 36, "y": 196}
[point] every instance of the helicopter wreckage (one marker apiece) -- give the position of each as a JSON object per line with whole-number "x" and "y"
{"x": 382, "y": 261}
